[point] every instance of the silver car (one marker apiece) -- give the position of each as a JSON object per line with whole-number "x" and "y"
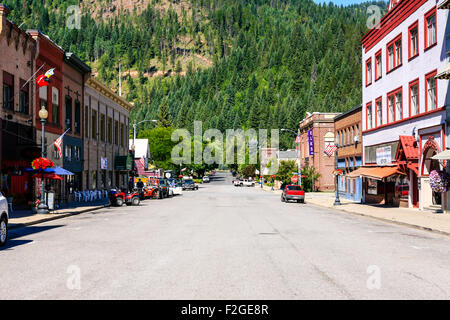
{"x": 3, "y": 220}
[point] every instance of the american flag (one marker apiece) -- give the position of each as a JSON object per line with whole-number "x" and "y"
{"x": 142, "y": 162}
{"x": 330, "y": 149}
{"x": 58, "y": 143}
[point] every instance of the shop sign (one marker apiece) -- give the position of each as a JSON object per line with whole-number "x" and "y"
{"x": 104, "y": 163}
{"x": 384, "y": 155}
{"x": 310, "y": 142}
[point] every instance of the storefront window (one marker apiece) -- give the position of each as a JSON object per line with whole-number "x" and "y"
{"x": 372, "y": 186}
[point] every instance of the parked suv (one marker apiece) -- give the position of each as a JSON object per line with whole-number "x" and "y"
{"x": 3, "y": 220}
{"x": 293, "y": 192}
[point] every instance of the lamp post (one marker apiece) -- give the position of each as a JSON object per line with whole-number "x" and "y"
{"x": 337, "y": 202}
{"x": 299, "y": 155}
{"x": 43, "y": 115}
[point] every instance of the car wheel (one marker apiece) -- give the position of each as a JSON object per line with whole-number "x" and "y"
{"x": 3, "y": 231}
{"x": 135, "y": 201}
{"x": 119, "y": 202}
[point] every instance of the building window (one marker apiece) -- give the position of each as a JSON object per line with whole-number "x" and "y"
{"x": 430, "y": 28}
{"x": 8, "y": 91}
{"x": 94, "y": 124}
{"x": 24, "y": 98}
{"x": 102, "y": 127}
{"x": 379, "y": 120}
{"x": 431, "y": 91}
{"x": 394, "y": 49}
{"x": 357, "y": 130}
{"x": 369, "y": 72}
{"x": 369, "y": 115}
{"x": 69, "y": 113}
{"x": 86, "y": 122}
{"x": 43, "y": 100}
{"x": 391, "y": 103}
{"x": 413, "y": 44}
{"x": 109, "y": 130}
{"x": 378, "y": 65}
{"x": 414, "y": 98}
{"x": 77, "y": 123}
{"x": 55, "y": 106}
{"x": 76, "y": 153}
{"x": 116, "y": 132}
{"x": 399, "y": 106}
{"x": 68, "y": 152}
{"x": 122, "y": 135}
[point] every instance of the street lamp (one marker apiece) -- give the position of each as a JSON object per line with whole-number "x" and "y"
{"x": 337, "y": 202}
{"x": 135, "y": 125}
{"x": 299, "y": 155}
{"x": 43, "y": 115}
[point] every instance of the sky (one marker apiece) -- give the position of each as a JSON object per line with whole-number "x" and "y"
{"x": 339, "y": 2}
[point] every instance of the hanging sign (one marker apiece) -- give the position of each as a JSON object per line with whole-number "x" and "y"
{"x": 311, "y": 142}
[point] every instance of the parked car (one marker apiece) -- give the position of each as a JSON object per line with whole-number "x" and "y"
{"x": 118, "y": 198}
{"x": 206, "y": 179}
{"x": 177, "y": 188}
{"x": 402, "y": 191}
{"x": 3, "y": 220}
{"x": 293, "y": 192}
{"x": 237, "y": 183}
{"x": 247, "y": 183}
{"x": 162, "y": 185}
{"x": 188, "y": 184}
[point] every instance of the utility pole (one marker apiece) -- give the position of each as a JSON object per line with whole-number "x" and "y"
{"x": 120, "y": 80}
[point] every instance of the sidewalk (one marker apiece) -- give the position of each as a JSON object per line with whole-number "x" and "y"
{"x": 21, "y": 218}
{"x": 426, "y": 220}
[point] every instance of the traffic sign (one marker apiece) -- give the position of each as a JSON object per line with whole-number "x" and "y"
{"x": 294, "y": 179}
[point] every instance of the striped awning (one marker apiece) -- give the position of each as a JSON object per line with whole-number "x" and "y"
{"x": 444, "y": 73}
{"x": 444, "y": 4}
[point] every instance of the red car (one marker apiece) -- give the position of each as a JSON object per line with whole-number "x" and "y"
{"x": 293, "y": 192}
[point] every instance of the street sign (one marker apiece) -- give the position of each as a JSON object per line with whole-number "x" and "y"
{"x": 294, "y": 179}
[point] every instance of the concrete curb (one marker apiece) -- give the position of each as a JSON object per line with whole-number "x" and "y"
{"x": 405, "y": 224}
{"x": 58, "y": 216}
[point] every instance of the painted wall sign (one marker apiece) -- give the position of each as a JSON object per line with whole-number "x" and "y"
{"x": 384, "y": 155}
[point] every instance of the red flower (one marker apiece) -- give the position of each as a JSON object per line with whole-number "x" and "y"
{"x": 42, "y": 163}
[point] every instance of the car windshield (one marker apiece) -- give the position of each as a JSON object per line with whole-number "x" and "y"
{"x": 188, "y": 181}
{"x": 297, "y": 188}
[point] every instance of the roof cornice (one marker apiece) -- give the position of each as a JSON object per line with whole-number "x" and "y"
{"x": 107, "y": 92}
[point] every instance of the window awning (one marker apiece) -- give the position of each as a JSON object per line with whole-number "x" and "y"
{"x": 358, "y": 172}
{"x": 379, "y": 173}
{"x": 444, "y": 155}
{"x": 444, "y": 73}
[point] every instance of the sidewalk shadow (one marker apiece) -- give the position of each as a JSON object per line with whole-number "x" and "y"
{"x": 24, "y": 231}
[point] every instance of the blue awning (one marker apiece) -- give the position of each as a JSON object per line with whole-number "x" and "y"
{"x": 56, "y": 170}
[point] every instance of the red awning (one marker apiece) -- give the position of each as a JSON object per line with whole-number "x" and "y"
{"x": 379, "y": 173}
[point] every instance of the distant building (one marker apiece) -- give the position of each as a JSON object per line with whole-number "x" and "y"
{"x": 288, "y": 155}
{"x": 141, "y": 157}
{"x": 316, "y": 132}
{"x": 348, "y": 133}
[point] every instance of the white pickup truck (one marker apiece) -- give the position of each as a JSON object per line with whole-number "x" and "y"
{"x": 244, "y": 183}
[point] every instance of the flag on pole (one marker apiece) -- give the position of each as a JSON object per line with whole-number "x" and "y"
{"x": 330, "y": 149}
{"x": 142, "y": 162}
{"x": 58, "y": 143}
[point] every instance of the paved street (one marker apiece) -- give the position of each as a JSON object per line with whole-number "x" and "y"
{"x": 223, "y": 242}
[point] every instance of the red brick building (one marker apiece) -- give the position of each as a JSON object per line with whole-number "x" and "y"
{"x": 316, "y": 132}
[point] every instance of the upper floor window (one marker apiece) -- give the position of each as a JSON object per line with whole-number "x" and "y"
{"x": 8, "y": 91}
{"x": 109, "y": 130}
{"x": 102, "y": 127}
{"x": 379, "y": 113}
{"x": 24, "y": 98}
{"x": 69, "y": 113}
{"x": 77, "y": 123}
{"x": 430, "y": 28}
{"x": 391, "y": 114}
{"x": 94, "y": 124}
{"x": 43, "y": 100}
{"x": 116, "y": 132}
{"x": 414, "y": 97}
{"x": 431, "y": 91}
{"x": 394, "y": 49}
{"x": 378, "y": 65}
{"x": 86, "y": 121}
{"x": 399, "y": 106}
{"x": 413, "y": 45}
{"x": 55, "y": 106}
{"x": 369, "y": 115}
{"x": 369, "y": 72}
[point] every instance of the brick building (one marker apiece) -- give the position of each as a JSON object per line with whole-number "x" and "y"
{"x": 316, "y": 132}
{"x": 17, "y": 137}
{"x": 348, "y": 133}
{"x": 75, "y": 74}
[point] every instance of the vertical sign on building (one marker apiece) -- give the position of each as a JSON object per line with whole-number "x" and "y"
{"x": 311, "y": 142}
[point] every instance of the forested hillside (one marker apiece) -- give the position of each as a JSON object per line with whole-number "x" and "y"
{"x": 228, "y": 63}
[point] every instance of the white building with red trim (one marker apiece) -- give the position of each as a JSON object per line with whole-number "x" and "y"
{"x": 402, "y": 97}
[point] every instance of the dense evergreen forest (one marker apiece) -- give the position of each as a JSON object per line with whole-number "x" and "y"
{"x": 267, "y": 62}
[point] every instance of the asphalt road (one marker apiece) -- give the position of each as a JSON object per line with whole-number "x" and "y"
{"x": 223, "y": 242}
